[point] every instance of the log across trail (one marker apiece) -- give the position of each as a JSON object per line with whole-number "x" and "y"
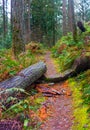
{"x": 58, "y": 107}
{"x": 25, "y": 78}
{"x": 80, "y": 64}
{"x": 31, "y": 74}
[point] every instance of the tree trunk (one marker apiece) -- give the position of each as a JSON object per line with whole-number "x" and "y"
{"x": 4, "y": 19}
{"x": 71, "y": 19}
{"x": 29, "y": 33}
{"x": 64, "y": 18}
{"x": 26, "y": 77}
{"x": 80, "y": 64}
{"x": 53, "y": 24}
{"x": 17, "y": 28}
{"x": 27, "y": 21}
{"x": 69, "y": 16}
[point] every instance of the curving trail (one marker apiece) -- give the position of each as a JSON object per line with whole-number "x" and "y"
{"x": 60, "y": 110}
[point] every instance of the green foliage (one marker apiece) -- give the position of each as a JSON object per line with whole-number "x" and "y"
{"x": 27, "y": 59}
{"x": 54, "y": 52}
{"x": 66, "y": 50}
{"x": 87, "y": 26}
{"x": 81, "y": 120}
{"x": 9, "y": 66}
{"x": 5, "y": 42}
{"x": 46, "y": 25}
{"x": 67, "y": 57}
{"x": 26, "y": 121}
{"x": 26, "y": 109}
{"x": 13, "y": 90}
{"x": 68, "y": 39}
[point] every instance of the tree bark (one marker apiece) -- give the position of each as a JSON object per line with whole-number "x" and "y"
{"x": 64, "y": 18}
{"x": 26, "y": 77}
{"x": 71, "y": 20}
{"x": 17, "y": 28}
{"x": 4, "y": 19}
{"x": 27, "y": 30}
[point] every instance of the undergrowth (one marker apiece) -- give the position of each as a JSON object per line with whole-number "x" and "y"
{"x": 21, "y": 107}
{"x": 66, "y": 50}
{"x": 80, "y": 107}
{"x": 9, "y": 66}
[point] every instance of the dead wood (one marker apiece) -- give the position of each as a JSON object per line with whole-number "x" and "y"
{"x": 47, "y": 91}
{"x": 80, "y": 64}
{"x": 26, "y": 77}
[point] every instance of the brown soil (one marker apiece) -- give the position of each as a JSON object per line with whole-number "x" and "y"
{"x": 60, "y": 110}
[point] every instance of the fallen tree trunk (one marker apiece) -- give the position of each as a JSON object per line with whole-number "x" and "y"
{"x": 80, "y": 64}
{"x": 31, "y": 74}
{"x": 60, "y": 77}
{"x": 26, "y": 77}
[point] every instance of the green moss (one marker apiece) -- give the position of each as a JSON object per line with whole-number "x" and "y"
{"x": 39, "y": 100}
{"x": 67, "y": 57}
{"x": 81, "y": 120}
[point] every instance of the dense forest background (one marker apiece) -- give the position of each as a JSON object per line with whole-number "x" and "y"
{"x": 43, "y": 21}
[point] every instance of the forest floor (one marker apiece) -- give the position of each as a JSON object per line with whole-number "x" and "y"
{"x": 59, "y": 107}
{"x": 50, "y": 106}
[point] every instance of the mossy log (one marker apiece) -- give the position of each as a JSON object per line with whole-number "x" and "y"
{"x": 80, "y": 64}
{"x": 26, "y": 77}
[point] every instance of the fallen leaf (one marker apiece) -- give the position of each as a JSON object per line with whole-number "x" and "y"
{"x": 43, "y": 113}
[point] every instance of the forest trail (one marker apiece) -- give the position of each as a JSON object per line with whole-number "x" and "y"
{"x": 59, "y": 107}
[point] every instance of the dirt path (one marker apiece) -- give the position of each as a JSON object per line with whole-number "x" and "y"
{"x": 60, "y": 115}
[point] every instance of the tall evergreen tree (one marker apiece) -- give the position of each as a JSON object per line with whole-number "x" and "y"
{"x": 71, "y": 19}
{"x": 64, "y": 17}
{"x": 17, "y": 27}
{"x": 44, "y": 20}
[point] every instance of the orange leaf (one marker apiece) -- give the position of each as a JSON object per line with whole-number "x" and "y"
{"x": 43, "y": 113}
